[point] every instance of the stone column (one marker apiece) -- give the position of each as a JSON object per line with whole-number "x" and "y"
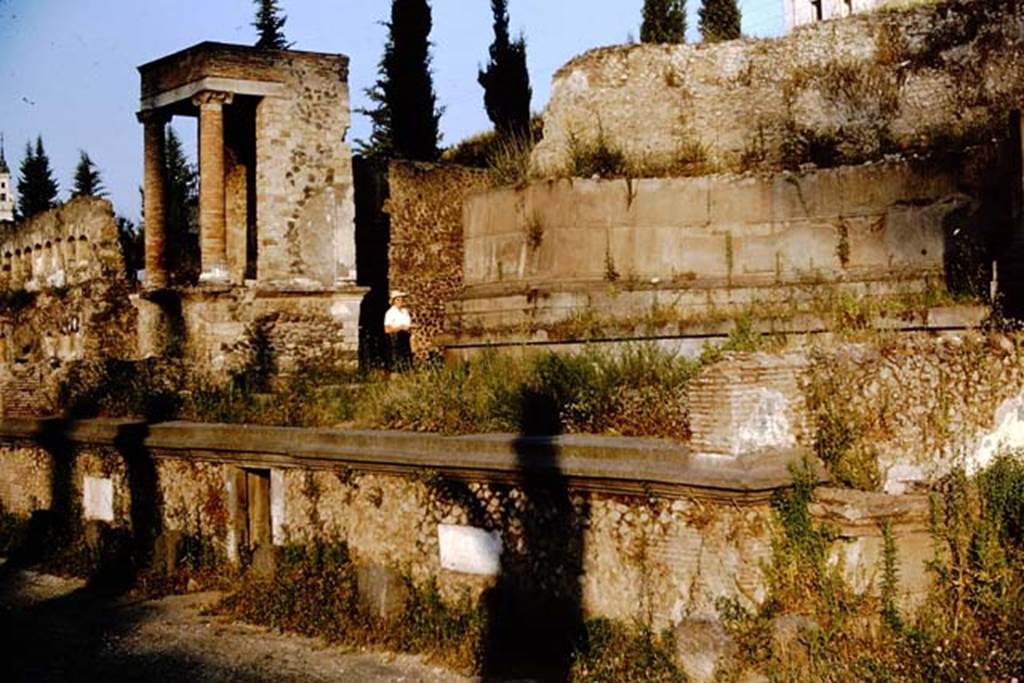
{"x": 155, "y": 232}
{"x": 212, "y": 225}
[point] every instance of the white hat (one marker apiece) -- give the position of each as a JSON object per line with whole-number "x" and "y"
{"x": 396, "y": 294}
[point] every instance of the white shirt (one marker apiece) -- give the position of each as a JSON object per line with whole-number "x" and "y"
{"x": 397, "y": 319}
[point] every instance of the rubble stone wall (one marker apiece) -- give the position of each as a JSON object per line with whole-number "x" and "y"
{"x": 660, "y": 559}
{"x": 934, "y": 76}
{"x": 65, "y": 297}
{"x": 426, "y": 249}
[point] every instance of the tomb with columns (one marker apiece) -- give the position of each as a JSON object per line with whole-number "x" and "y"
{"x": 276, "y": 209}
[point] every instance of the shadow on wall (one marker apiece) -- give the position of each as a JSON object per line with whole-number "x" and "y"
{"x": 373, "y": 237}
{"x": 61, "y": 539}
{"x": 534, "y": 609}
{"x": 1009, "y": 249}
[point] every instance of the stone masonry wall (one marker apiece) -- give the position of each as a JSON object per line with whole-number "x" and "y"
{"x": 305, "y": 207}
{"x": 229, "y": 331}
{"x": 687, "y": 248}
{"x": 920, "y": 406}
{"x": 426, "y": 250}
{"x": 935, "y": 76}
{"x": 658, "y": 560}
{"x": 65, "y": 298}
{"x": 67, "y": 246}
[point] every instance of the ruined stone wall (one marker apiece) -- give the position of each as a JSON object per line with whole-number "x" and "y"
{"x": 240, "y": 329}
{"x": 67, "y": 246}
{"x": 425, "y": 257}
{"x": 65, "y": 298}
{"x": 935, "y": 76}
{"x": 305, "y": 207}
{"x": 661, "y": 560}
{"x": 920, "y": 406}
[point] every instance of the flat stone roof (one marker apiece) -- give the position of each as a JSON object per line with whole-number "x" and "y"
{"x": 240, "y": 69}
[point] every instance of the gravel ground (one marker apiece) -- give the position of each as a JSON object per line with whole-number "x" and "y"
{"x": 56, "y": 629}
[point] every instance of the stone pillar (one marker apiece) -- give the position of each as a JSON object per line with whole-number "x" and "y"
{"x": 212, "y": 224}
{"x": 155, "y": 232}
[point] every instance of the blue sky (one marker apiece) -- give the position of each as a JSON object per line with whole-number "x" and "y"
{"x": 67, "y": 67}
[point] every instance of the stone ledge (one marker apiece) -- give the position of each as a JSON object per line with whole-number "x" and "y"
{"x": 611, "y": 464}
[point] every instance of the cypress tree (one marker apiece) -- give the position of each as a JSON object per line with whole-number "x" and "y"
{"x": 664, "y": 21}
{"x": 506, "y": 80}
{"x": 37, "y": 190}
{"x": 719, "y": 20}
{"x": 87, "y": 178}
{"x": 181, "y": 209}
{"x": 405, "y": 120}
{"x": 270, "y": 25}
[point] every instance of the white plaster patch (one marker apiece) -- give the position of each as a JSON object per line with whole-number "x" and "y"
{"x": 1007, "y": 435}
{"x": 767, "y": 425}
{"x": 469, "y": 550}
{"x": 98, "y": 499}
{"x": 277, "y": 507}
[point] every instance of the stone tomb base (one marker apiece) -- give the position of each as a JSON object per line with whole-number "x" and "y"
{"x": 224, "y": 329}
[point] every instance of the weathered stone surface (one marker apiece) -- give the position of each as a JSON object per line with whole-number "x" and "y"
{"x": 166, "y": 549}
{"x": 853, "y": 89}
{"x": 538, "y": 257}
{"x": 264, "y": 562}
{"x": 382, "y": 591}
{"x": 701, "y": 644}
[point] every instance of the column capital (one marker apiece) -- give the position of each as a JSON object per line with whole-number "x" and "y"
{"x": 155, "y": 116}
{"x": 212, "y": 98}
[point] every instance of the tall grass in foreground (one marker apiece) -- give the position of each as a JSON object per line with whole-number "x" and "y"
{"x": 640, "y": 391}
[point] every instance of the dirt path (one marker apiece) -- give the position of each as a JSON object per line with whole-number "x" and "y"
{"x": 57, "y": 629}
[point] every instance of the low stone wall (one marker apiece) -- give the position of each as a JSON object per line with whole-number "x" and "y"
{"x": 425, "y": 257}
{"x": 633, "y": 530}
{"x": 937, "y": 75}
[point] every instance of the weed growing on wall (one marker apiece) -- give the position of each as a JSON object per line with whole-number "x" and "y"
{"x": 969, "y": 628}
{"x": 595, "y": 157}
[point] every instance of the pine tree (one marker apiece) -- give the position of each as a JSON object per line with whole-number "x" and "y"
{"x": 506, "y": 80}
{"x": 181, "y": 210}
{"x": 664, "y": 21}
{"x": 87, "y": 178}
{"x": 405, "y": 119}
{"x": 719, "y": 20}
{"x": 270, "y": 25}
{"x": 37, "y": 190}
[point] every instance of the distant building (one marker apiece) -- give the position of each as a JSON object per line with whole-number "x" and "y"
{"x": 6, "y": 189}
{"x": 800, "y": 12}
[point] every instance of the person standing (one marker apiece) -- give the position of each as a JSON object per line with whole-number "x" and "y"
{"x": 398, "y": 328}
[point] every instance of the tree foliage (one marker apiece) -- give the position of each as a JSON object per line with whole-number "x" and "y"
{"x": 719, "y": 20}
{"x": 87, "y": 178}
{"x": 37, "y": 189}
{"x": 270, "y": 26}
{"x": 405, "y": 118}
{"x": 181, "y": 210}
{"x": 506, "y": 80}
{"x": 664, "y": 21}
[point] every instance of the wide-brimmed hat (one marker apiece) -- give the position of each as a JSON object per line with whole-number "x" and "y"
{"x": 396, "y": 294}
